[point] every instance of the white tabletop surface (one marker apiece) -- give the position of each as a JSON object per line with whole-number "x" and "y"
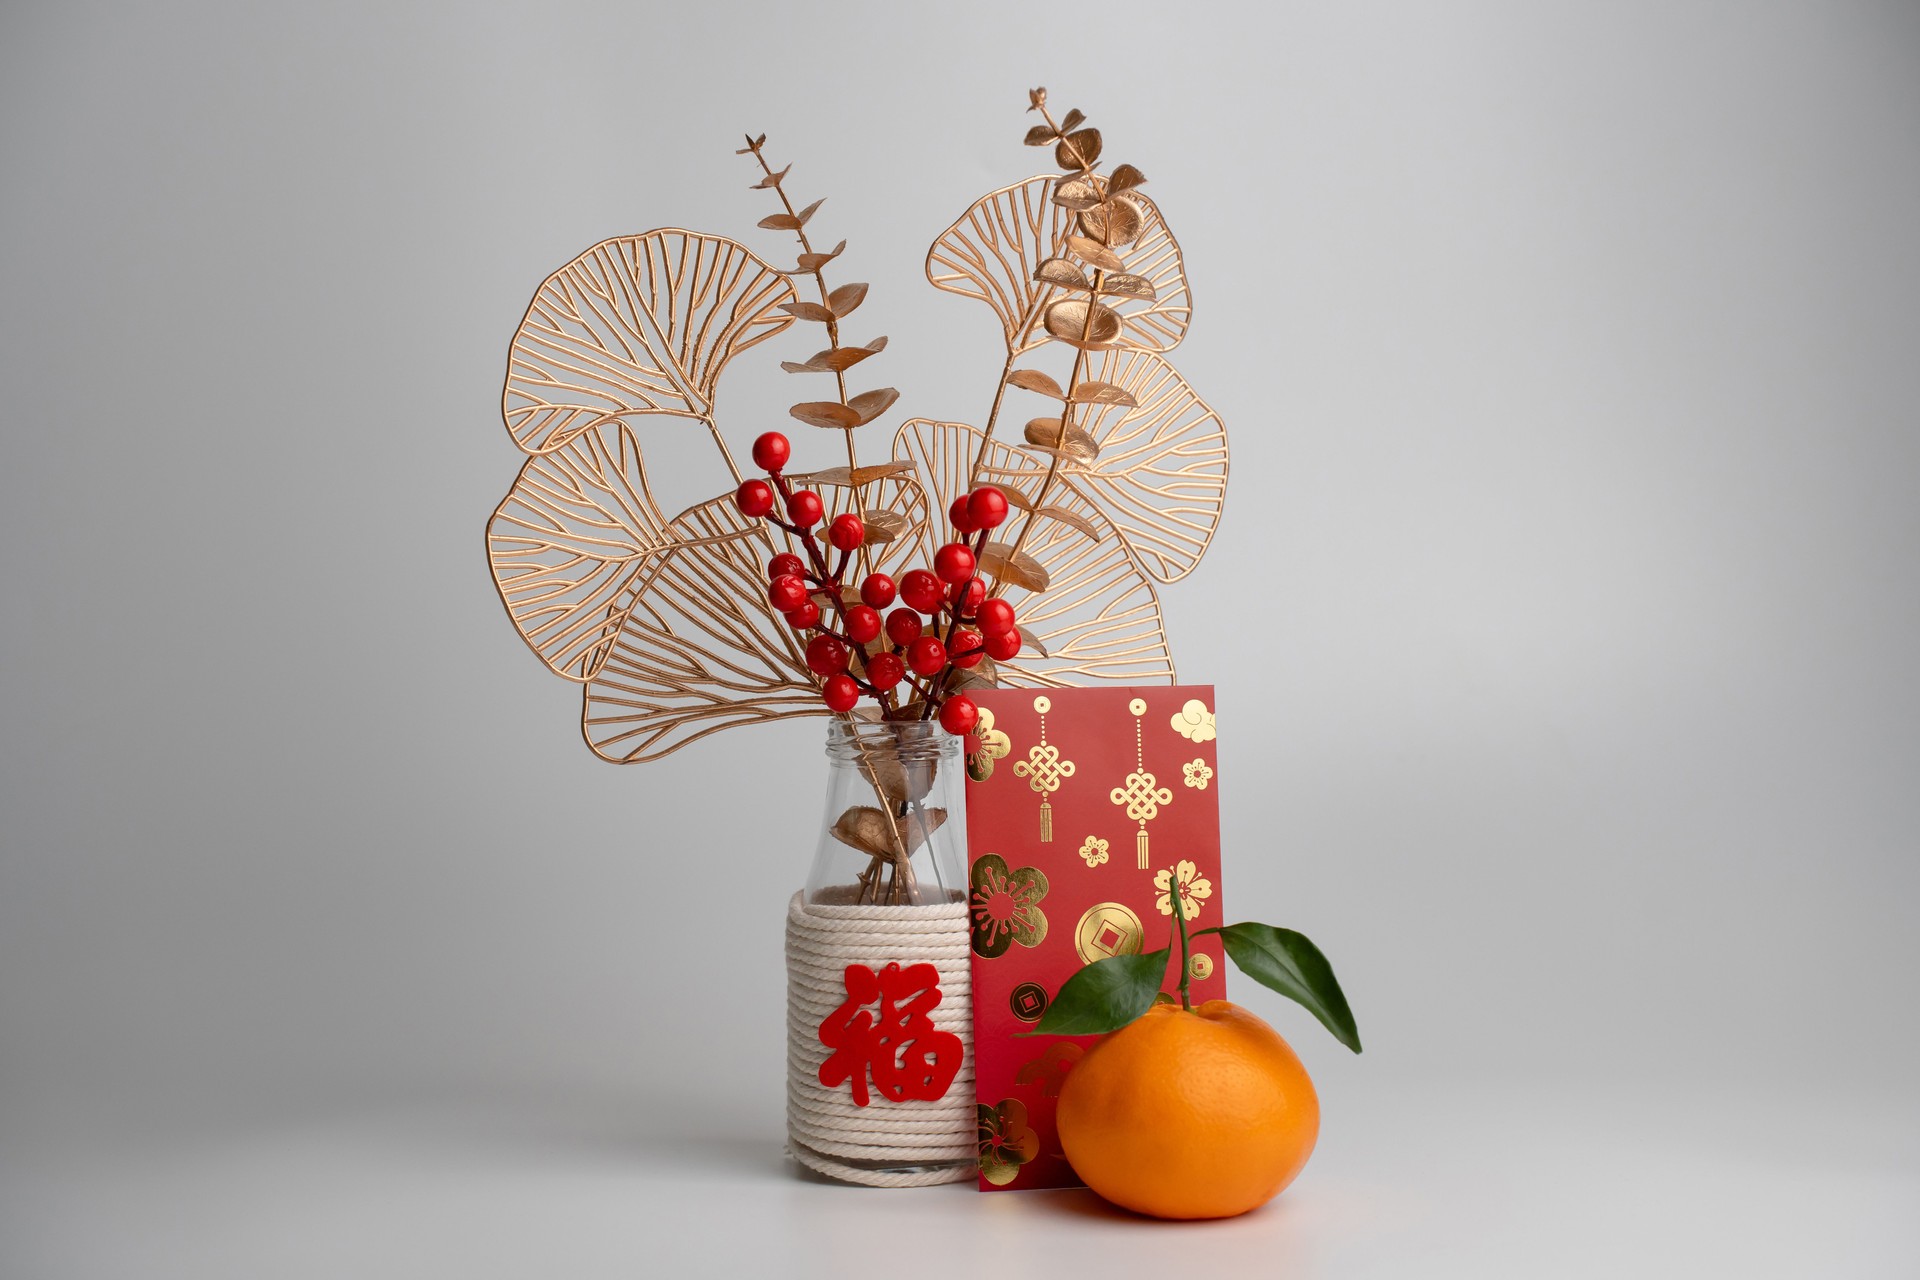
{"x": 1423, "y": 1184}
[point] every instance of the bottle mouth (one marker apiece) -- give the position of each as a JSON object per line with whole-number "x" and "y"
{"x": 910, "y": 741}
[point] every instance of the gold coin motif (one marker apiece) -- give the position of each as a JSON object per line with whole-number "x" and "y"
{"x": 1137, "y": 707}
{"x": 1200, "y": 965}
{"x": 1108, "y": 929}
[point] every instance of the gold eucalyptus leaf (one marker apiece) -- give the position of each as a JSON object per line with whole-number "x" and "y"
{"x": 1080, "y": 323}
{"x": 806, "y": 311}
{"x": 771, "y": 180}
{"x": 871, "y": 404}
{"x": 1092, "y": 391}
{"x": 1095, "y": 254}
{"x": 826, "y": 413}
{"x": 1072, "y": 120}
{"x": 1028, "y": 640}
{"x": 1072, "y": 519}
{"x": 1070, "y": 442}
{"x": 843, "y": 300}
{"x": 1124, "y": 284}
{"x": 868, "y": 830}
{"x": 1034, "y": 380}
{"x": 1116, "y": 222}
{"x": 1040, "y": 135}
{"x": 1062, "y": 274}
{"x": 1125, "y": 178}
{"x": 1078, "y": 150}
{"x": 1077, "y": 194}
{"x": 863, "y": 476}
{"x": 815, "y": 261}
{"x": 1001, "y": 561}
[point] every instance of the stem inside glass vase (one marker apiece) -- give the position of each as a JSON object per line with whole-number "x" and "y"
{"x": 894, "y": 829}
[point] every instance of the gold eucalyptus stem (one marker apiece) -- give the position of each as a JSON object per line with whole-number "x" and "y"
{"x": 833, "y": 341}
{"x": 1079, "y": 361}
{"x": 993, "y": 416}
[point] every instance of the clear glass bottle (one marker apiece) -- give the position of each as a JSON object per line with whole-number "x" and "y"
{"x": 895, "y": 827}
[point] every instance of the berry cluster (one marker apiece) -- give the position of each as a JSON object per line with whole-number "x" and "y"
{"x": 936, "y": 623}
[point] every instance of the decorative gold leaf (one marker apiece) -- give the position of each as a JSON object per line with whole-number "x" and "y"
{"x": 1061, "y": 272}
{"x": 1077, "y": 194}
{"x": 1072, "y": 519}
{"x": 697, "y": 648}
{"x": 1000, "y": 560}
{"x": 771, "y": 180}
{"x": 1099, "y": 620}
{"x": 1028, "y": 640}
{"x": 1116, "y": 222}
{"x": 1072, "y": 443}
{"x": 566, "y": 542}
{"x": 864, "y": 476}
{"x": 1034, "y": 380}
{"x": 1080, "y": 323}
{"x": 844, "y": 299}
{"x": 1078, "y": 150}
{"x": 826, "y": 413}
{"x": 1093, "y": 391}
{"x": 991, "y": 252}
{"x": 1162, "y": 473}
{"x": 871, "y": 831}
{"x": 1125, "y": 178}
{"x": 1040, "y": 135}
{"x": 635, "y": 325}
{"x": 882, "y": 527}
{"x": 1124, "y": 284}
{"x": 835, "y": 359}
{"x": 815, "y": 261}
{"x": 807, "y": 311}
{"x": 1073, "y": 118}
{"x": 1095, "y": 254}
{"x": 871, "y": 404}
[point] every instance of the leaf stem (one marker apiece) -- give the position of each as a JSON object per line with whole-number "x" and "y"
{"x": 1180, "y": 919}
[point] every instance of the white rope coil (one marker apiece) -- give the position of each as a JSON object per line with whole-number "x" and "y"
{"x": 825, "y": 1130}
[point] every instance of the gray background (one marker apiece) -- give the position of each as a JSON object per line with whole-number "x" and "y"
{"x": 1563, "y": 619}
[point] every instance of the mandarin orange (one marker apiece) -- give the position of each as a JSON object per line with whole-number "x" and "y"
{"x": 1200, "y": 1114}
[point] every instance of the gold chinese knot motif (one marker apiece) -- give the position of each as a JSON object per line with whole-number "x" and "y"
{"x": 1141, "y": 794}
{"x": 1044, "y": 769}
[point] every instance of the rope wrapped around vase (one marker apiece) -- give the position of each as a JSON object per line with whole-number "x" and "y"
{"x": 826, "y": 1131}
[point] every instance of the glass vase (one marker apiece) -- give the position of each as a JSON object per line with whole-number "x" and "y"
{"x": 895, "y": 828}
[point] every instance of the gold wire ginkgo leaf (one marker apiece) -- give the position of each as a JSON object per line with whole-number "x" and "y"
{"x": 1161, "y": 473}
{"x": 636, "y": 324}
{"x": 697, "y": 649}
{"x": 993, "y": 251}
{"x": 566, "y": 541}
{"x": 1099, "y": 618}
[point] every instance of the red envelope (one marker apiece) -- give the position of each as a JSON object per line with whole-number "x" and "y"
{"x": 1078, "y": 800}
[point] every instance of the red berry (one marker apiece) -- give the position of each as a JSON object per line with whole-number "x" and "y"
{"x": 826, "y": 655}
{"x": 963, "y": 640}
{"x": 921, "y": 591}
{"x": 967, "y": 596}
{"x": 771, "y": 451}
{"x": 786, "y": 593}
{"x": 958, "y": 715}
{"x": 1002, "y": 645}
{"x": 926, "y": 656}
{"x": 840, "y": 693}
{"x": 784, "y": 563}
{"x": 806, "y": 616}
{"x": 846, "y": 532}
{"x": 987, "y": 507}
{"x": 953, "y": 563}
{"x": 804, "y": 508}
{"x": 878, "y": 590}
{"x": 996, "y": 616}
{"x": 754, "y": 498}
{"x": 903, "y": 627}
{"x": 960, "y": 516}
{"x": 884, "y": 671}
{"x": 863, "y": 624}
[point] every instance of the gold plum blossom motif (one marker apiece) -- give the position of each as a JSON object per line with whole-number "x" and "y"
{"x": 1194, "y": 722}
{"x": 1006, "y": 1141}
{"x": 1094, "y": 851}
{"x": 1003, "y": 906}
{"x": 1049, "y": 1070}
{"x": 1199, "y": 774}
{"x": 1193, "y": 889}
{"x": 990, "y": 744}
